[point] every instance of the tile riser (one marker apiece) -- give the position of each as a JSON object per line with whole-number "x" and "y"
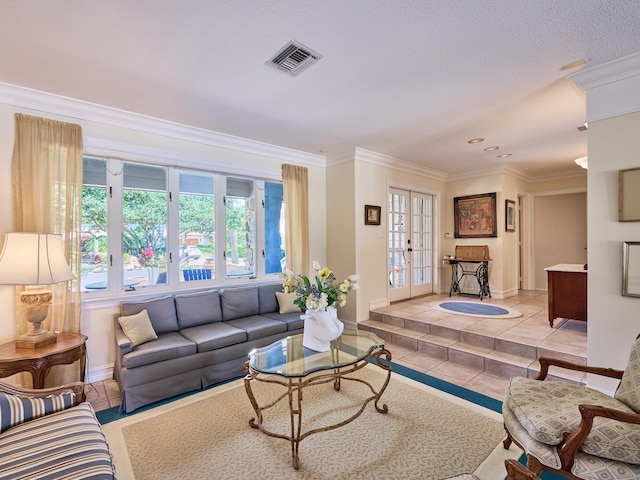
{"x": 446, "y": 347}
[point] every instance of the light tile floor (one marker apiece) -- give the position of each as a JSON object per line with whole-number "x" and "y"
{"x": 532, "y": 328}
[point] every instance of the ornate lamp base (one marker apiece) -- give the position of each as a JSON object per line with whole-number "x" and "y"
{"x": 35, "y": 341}
{"x": 36, "y": 301}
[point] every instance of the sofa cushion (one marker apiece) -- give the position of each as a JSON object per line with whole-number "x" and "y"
{"x": 198, "y": 308}
{"x": 137, "y": 328}
{"x": 628, "y": 391}
{"x": 258, "y": 326}
{"x": 162, "y": 313}
{"x": 16, "y": 409}
{"x": 239, "y": 302}
{"x": 166, "y": 347}
{"x": 267, "y": 297}
{"x": 292, "y": 320}
{"x": 67, "y": 444}
{"x": 214, "y": 335}
{"x": 549, "y": 412}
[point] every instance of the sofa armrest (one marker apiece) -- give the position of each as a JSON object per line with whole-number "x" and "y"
{"x": 76, "y": 387}
{"x": 546, "y": 362}
{"x": 122, "y": 341}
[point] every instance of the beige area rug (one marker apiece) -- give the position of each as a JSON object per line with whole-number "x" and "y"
{"x": 427, "y": 434}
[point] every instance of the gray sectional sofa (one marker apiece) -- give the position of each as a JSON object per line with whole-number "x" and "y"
{"x": 202, "y": 338}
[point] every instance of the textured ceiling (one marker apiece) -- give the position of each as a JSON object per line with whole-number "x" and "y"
{"x": 412, "y": 79}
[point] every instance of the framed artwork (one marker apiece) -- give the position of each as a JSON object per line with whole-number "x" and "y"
{"x": 631, "y": 269}
{"x": 510, "y": 215}
{"x": 475, "y": 216}
{"x": 629, "y": 195}
{"x": 372, "y": 215}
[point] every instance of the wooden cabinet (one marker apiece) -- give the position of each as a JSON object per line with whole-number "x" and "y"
{"x": 567, "y": 292}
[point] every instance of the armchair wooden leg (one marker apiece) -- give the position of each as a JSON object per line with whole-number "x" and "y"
{"x": 534, "y": 465}
{"x": 506, "y": 443}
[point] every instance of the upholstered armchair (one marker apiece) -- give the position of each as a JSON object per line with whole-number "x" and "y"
{"x": 573, "y": 430}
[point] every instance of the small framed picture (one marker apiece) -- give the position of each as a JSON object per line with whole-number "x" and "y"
{"x": 510, "y": 215}
{"x": 372, "y": 215}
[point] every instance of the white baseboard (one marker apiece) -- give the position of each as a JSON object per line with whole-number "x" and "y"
{"x": 379, "y": 303}
{"x": 99, "y": 374}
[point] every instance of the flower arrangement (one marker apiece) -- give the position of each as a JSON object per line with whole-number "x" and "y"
{"x": 325, "y": 292}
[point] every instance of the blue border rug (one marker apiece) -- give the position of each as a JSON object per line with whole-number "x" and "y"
{"x": 477, "y": 309}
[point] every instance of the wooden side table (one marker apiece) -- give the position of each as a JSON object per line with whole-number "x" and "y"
{"x": 68, "y": 348}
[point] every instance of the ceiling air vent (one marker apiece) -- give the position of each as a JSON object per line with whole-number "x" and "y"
{"x": 294, "y": 58}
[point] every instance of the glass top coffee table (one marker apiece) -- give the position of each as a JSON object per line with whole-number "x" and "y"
{"x": 287, "y": 363}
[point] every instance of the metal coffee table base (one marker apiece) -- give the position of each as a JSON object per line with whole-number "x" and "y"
{"x": 293, "y": 394}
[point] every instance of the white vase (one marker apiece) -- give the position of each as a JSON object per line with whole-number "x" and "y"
{"x": 320, "y": 327}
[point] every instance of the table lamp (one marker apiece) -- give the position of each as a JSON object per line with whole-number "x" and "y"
{"x": 34, "y": 260}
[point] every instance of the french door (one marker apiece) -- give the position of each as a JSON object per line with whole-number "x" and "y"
{"x": 410, "y": 248}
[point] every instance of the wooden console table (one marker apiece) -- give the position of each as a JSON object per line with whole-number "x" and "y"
{"x": 567, "y": 292}
{"x": 68, "y": 348}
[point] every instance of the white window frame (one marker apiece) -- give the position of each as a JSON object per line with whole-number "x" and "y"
{"x": 115, "y": 190}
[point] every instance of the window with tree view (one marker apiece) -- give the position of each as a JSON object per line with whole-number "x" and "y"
{"x": 93, "y": 239}
{"x": 197, "y": 226}
{"x": 144, "y": 225}
{"x": 154, "y": 226}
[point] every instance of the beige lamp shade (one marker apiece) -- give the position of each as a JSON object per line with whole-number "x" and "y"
{"x": 33, "y": 259}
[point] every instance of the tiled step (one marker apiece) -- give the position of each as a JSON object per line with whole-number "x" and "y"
{"x": 503, "y": 358}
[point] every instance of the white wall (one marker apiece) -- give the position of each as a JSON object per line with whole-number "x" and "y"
{"x": 472, "y": 186}
{"x": 613, "y": 107}
{"x": 362, "y": 177}
{"x": 560, "y": 232}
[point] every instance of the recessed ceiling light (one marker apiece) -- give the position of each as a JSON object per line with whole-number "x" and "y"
{"x": 577, "y": 63}
{"x": 491, "y": 149}
{"x": 504, "y": 155}
{"x": 475, "y": 140}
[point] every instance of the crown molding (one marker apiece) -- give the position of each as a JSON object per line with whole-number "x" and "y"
{"x": 612, "y": 88}
{"x": 387, "y": 161}
{"x": 607, "y": 73}
{"x": 80, "y": 110}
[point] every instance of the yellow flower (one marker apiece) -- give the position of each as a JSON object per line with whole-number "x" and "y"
{"x": 342, "y": 300}
{"x": 344, "y": 286}
{"x": 324, "y": 273}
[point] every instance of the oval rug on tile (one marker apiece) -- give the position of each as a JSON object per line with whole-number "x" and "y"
{"x": 477, "y": 309}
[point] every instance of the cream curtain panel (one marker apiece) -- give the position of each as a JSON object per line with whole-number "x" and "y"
{"x": 296, "y": 203}
{"x": 47, "y": 196}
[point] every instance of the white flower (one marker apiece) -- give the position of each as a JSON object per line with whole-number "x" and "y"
{"x": 354, "y": 278}
{"x": 316, "y": 265}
